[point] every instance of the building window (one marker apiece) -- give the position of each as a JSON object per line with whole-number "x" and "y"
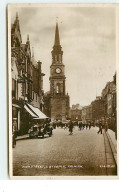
{"x": 56, "y": 58}
{"x": 23, "y": 89}
{"x": 36, "y": 97}
{"x": 14, "y": 88}
{"x": 30, "y": 91}
{"x": 60, "y": 58}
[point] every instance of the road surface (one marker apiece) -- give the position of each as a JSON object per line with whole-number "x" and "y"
{"x": 80, "y": 154}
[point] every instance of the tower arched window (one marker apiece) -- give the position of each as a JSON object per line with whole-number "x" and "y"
{"x": 55, "y": 58}
{"x": 60, "y": 58}
{"x": 58, "y": 88}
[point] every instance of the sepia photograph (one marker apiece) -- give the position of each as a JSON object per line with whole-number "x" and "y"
{"x": 62, "y": 90}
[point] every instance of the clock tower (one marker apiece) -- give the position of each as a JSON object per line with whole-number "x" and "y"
{"x": 59, "y": 101}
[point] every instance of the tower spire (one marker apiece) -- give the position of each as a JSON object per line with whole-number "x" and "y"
{"x": 57, "y": 40}
{"x": 27, "y": 37}
{"x": 16, "y": 15}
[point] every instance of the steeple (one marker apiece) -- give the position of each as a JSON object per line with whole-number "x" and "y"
{"x": 16, "y": 15}
{"x": 57, "y": 52}
{"x": 57, "y": 40}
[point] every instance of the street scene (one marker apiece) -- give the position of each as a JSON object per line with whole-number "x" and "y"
{"x": 83, "y": 153}
{"x": 63, "y": 90}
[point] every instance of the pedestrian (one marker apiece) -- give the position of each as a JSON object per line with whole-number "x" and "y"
{"x": 106, "y": 126}
{"x": 100, "y": 128}
{"x": 83, "y": 126}
{"x": 89, "y": 126}
{"x": 86, "y": 126}
{"x": 51, "y": 127}
{"x": 54, "y": 125}
{"x": 70, "y": 128}
{"x": 79, "y": 125}
{"x": 65, "y": 126}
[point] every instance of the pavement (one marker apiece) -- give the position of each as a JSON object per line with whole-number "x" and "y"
{"x": 113, "y": 143}
{"x": 112, "y": 137}
{"x": 84, "y": 153}
{"x": 21, "y": 137}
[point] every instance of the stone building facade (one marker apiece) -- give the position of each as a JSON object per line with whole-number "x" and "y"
{"x": 98, "y": 112}
{"x": 27, "y": 79}
{"x": 87, "y": 114}
{"x": 109, "y": 98}
{"x": 76, "y": 112}
{"x": 108, "y": 95}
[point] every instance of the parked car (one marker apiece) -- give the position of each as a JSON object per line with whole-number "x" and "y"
{"x": 33, "y": 132}
{"x": 48, "y": 130}
{"x": 40, "y": 131}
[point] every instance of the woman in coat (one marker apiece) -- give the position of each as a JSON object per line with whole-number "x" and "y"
{"x": 71, "y": 128}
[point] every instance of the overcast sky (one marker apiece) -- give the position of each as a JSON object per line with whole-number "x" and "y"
{"x": 87, "y": 37}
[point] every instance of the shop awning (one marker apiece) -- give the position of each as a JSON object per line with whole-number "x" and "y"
{"x": 40, "y": 114}
{"x": 36, "y": 112}
{"x": 30, "y": 111}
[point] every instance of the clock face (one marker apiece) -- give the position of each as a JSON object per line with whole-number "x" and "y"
{"x": 58, "y": 70}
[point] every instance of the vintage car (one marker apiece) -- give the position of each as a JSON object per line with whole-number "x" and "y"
{"x": 40, "y": 131}
{"x": 33, "y": 131}
{"x": 48, "y": 130}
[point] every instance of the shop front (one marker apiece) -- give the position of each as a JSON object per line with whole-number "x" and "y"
{"x": 15, "y": 117}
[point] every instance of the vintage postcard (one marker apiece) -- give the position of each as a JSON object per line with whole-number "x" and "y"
{"x": 62, "y": 75}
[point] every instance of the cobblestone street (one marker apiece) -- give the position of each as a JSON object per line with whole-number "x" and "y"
{"x": 82, "y": 153}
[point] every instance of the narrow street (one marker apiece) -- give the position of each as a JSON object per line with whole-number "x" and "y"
{"x": 81, "y": 154}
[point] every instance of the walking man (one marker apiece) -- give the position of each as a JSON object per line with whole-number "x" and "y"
{"x": 80, "y": 125}
{"x": 89, "y": 126}
{"x": 71, "y": 128}
{"x": 100, "y": 128}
